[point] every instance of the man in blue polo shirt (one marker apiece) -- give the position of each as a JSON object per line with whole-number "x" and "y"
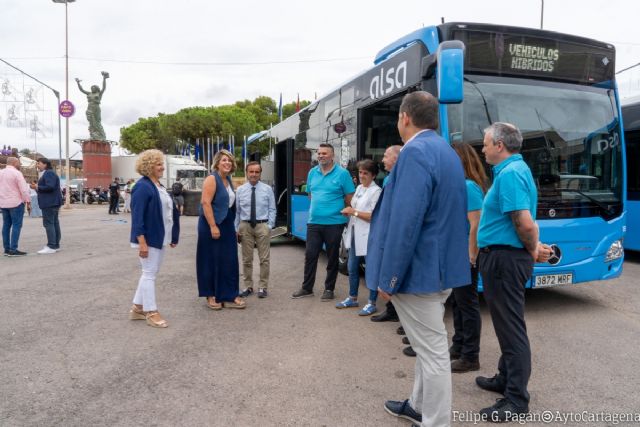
{"x": 509, "y": 246}
{"x": 330, "y": 188}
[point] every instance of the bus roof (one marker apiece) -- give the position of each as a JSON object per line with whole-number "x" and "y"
{"x": 447, "y": 28}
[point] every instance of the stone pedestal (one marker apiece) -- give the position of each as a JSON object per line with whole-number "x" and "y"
{"x": 96, "y": 165}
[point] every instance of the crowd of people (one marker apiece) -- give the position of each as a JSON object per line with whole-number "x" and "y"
{"x": 40, "y": 198}
{"x": 426, "y": 236}
{"x": 8, "y": 151}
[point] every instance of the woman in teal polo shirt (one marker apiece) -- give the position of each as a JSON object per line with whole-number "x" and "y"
{"x": 466, "y": 307}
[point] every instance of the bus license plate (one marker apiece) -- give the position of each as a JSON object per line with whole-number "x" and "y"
{"x": 553, "y": 280}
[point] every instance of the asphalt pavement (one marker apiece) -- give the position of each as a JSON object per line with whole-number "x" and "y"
{"x": 69, "y": 356}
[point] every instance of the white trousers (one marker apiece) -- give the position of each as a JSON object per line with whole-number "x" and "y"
{"x": 422, "y": 317}
{"x": 146, "y": 292}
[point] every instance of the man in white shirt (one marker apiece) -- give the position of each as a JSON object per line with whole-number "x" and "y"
{"x": 255, "y": 217}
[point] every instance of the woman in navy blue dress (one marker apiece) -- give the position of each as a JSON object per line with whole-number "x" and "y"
{"x": 217, "y": 252}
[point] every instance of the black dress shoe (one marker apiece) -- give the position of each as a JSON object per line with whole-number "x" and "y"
{"x": 400, "y": 331}
{"x": 495, "y": 383}
{"x": 502, "y": 411}
{"x": 385, "y": 316}
{"x": 262, "y": 293}
{"x": 408, "y": 351}
{"x": 405, "y": 341}
{"x": 463, "y": 365}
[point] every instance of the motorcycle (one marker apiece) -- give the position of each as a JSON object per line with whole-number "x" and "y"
{"x": 97, "y": 196}
{"x": 74, "y": 196}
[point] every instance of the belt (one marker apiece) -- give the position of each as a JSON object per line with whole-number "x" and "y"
{"x": 490, "y": 248}
{"x": 258, "y": 221}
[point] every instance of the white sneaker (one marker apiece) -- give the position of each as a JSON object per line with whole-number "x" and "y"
{"x": 46, "y": 250}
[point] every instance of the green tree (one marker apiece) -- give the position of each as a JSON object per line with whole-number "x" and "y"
{"x": 168, "y": 131}
{"x": 145, "y": 134}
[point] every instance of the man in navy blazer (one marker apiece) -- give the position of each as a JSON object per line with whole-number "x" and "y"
{"x": 418, "y": 252}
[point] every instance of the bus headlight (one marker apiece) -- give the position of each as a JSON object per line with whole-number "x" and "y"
{"x": 615, "y": 251}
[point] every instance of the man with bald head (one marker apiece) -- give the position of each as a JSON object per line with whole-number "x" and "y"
{"x": 14, "y": 196}
{"x": 389, "y": 160}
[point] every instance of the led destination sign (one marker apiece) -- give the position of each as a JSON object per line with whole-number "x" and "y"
{"x": 534, "y": 58}
{"x": 518, "y": 54}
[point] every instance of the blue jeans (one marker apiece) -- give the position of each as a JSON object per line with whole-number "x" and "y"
{"x": 11, "y": 226}
{"x": 353, "y": 264}
{"x": 52, "y": 226}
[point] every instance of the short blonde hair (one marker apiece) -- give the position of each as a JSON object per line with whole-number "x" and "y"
{"x": 147, "y": 160}
{"x": 218, "y": 157}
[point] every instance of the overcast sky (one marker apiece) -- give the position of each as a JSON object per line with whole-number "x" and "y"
{"x": 166, "y": 55}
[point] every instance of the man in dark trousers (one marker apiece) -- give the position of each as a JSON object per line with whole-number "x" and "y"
{"x": 114, "y": 196}
{"x": 389, "y": 161}
{"x": 418, "y": 251}
{"x": 509, "y": 246}
{"x": 330, "y": 188}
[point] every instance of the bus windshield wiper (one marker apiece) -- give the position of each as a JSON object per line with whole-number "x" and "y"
{"x": 591, "y": 199}
{"x": 484, "y": 100}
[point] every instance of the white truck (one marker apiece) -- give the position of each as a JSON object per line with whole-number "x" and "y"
{"x": 176, "y": 168}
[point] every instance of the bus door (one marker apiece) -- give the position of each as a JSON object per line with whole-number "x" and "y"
{"x": 282, "y": 182}
{"x": 378, "y": 129}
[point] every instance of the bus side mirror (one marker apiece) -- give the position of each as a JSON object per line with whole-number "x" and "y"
{"x": 450, "y": 71}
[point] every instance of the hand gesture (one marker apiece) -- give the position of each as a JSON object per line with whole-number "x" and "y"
{"x": 78, "y": 80}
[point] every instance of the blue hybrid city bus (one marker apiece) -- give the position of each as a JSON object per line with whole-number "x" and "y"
{"x": 631, "y": 120}
{"x": 558, "y": 89}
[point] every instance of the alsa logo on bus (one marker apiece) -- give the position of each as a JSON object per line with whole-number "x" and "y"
{"x": 388, "y": 81}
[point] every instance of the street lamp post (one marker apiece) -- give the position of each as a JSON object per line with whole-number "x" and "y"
{"x": 67, "y": 201}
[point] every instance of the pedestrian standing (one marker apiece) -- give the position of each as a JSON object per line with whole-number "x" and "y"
{"x": 155, "y": 224}
{"x": 509, "y": 246}
{"x": 127, "y": 196}
{"x": 330, "y": 188}
{"x": 357, "y": 234}
{"x": 114, "y": 196}
{"x": 49, "y": 200}
{"x": 178, "y": 197}
{"x": 467, "y": 321}
{"x": 389, "y": 160}
{"x": 14, "y": 198}
{"x": 418, "y": 252}
{"x": 255, "y": 218}
{"x": 217, "y": 269}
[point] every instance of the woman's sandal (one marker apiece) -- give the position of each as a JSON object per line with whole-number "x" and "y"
{"x": 234, "y": 304}
{"x": 154, "y": 319}
{"x": 213, "y": 305}
{"x": 136, "y": 313}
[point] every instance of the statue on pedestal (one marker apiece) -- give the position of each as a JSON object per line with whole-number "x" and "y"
{"x": 94, "y": 116}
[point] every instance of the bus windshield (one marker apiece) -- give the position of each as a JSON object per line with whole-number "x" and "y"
{"x": 571, "y": 139}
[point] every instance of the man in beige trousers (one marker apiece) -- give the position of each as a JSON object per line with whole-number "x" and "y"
{"x": 255, "y": 217}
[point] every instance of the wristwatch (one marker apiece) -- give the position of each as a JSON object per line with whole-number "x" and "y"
{"x": 355, "y": 213}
